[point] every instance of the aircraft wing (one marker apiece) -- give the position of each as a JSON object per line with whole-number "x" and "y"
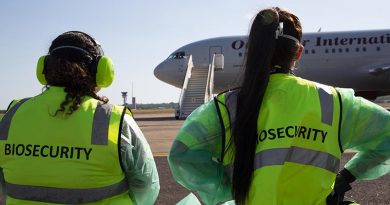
{"x": 380, "y": 70}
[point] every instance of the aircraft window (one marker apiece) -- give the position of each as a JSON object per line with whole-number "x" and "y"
{"x": 347, "y": 50}
{"x": 378, "y": 48}
{"x": 177, "y": 55}
{"x": 306, "y": 52}
{"x": 333, "y": 50}
{"x": 326, "y": 51}
{"x": 340, "y": 50}
{"x": 357, "y": 49}
{"x": 313, "y": 51}
{"x": 364, "y": 49}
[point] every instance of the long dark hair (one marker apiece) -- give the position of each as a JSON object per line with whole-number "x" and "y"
{"x": 265, "y": 53}
{"x": 71, "y": 69}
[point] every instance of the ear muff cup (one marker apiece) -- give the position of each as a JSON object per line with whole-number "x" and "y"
{"x": 40, "y": 69}
{"x": 104, "y": 72}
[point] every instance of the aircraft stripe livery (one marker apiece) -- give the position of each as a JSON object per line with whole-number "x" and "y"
{"x": 352, "y": 59}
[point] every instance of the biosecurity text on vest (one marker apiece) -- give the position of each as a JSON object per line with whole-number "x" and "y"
{"x": 36, "y": 150}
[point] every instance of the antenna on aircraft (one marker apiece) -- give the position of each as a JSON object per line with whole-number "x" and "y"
{"x": 319, "y": 30}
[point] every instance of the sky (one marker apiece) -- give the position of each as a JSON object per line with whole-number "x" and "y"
{"x": 138, "y": 35}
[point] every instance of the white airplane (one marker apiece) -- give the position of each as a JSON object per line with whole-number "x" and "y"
{"x": 353, "y": 59}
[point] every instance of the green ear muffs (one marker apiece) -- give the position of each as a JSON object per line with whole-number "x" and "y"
{"x": 40, "y": 68}
{"x": 104, "y": 71}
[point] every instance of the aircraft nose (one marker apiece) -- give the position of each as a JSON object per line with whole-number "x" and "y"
{"x": 158, "y": 71}
{"x": 167, "y": 71}
{"x": 162, "y": 72}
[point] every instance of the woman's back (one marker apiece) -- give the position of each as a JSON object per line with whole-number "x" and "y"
{"x": 297, "y": 146}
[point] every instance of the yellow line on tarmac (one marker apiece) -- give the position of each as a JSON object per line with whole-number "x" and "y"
{"x": 160, "y": 154}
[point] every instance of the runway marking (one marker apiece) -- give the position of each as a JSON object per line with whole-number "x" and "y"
{"x": 160, "y": 154}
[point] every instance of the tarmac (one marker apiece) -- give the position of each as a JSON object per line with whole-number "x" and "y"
{"x": 160, "y": 130}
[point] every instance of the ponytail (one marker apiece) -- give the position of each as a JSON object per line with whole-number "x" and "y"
{"x": 261, "y": 47}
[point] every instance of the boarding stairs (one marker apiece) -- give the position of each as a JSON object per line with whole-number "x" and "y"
{"x": 194, "y": 95}
{"x": 197, "y": 88}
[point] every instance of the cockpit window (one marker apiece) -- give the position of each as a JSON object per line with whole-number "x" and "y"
{"x": 177, "y": 55}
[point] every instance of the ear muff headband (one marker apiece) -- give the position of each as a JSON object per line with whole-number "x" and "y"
{"x": 72, "y": 47}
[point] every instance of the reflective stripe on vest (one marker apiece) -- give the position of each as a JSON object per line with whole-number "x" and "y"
{"x": 326, "y": 101}
{"x": 279, "y": 156}
{"x": 63, "y": 195}
{"x": 101, "y": 123}
{"x": 5, "y": 123}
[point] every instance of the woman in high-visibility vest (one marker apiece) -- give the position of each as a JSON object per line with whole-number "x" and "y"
{"x": 68, "y": 145}
{"x": 278, "y": 139}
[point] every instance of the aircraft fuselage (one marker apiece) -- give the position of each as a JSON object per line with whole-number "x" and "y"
{"x": 344, "y": 59}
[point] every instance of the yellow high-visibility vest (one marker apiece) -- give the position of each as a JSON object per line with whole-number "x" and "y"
{"x": 62, "y": 159}
{"x": 298, "y": 151}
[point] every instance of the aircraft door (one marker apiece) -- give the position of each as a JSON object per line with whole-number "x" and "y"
{"x": 214, "y": 50}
